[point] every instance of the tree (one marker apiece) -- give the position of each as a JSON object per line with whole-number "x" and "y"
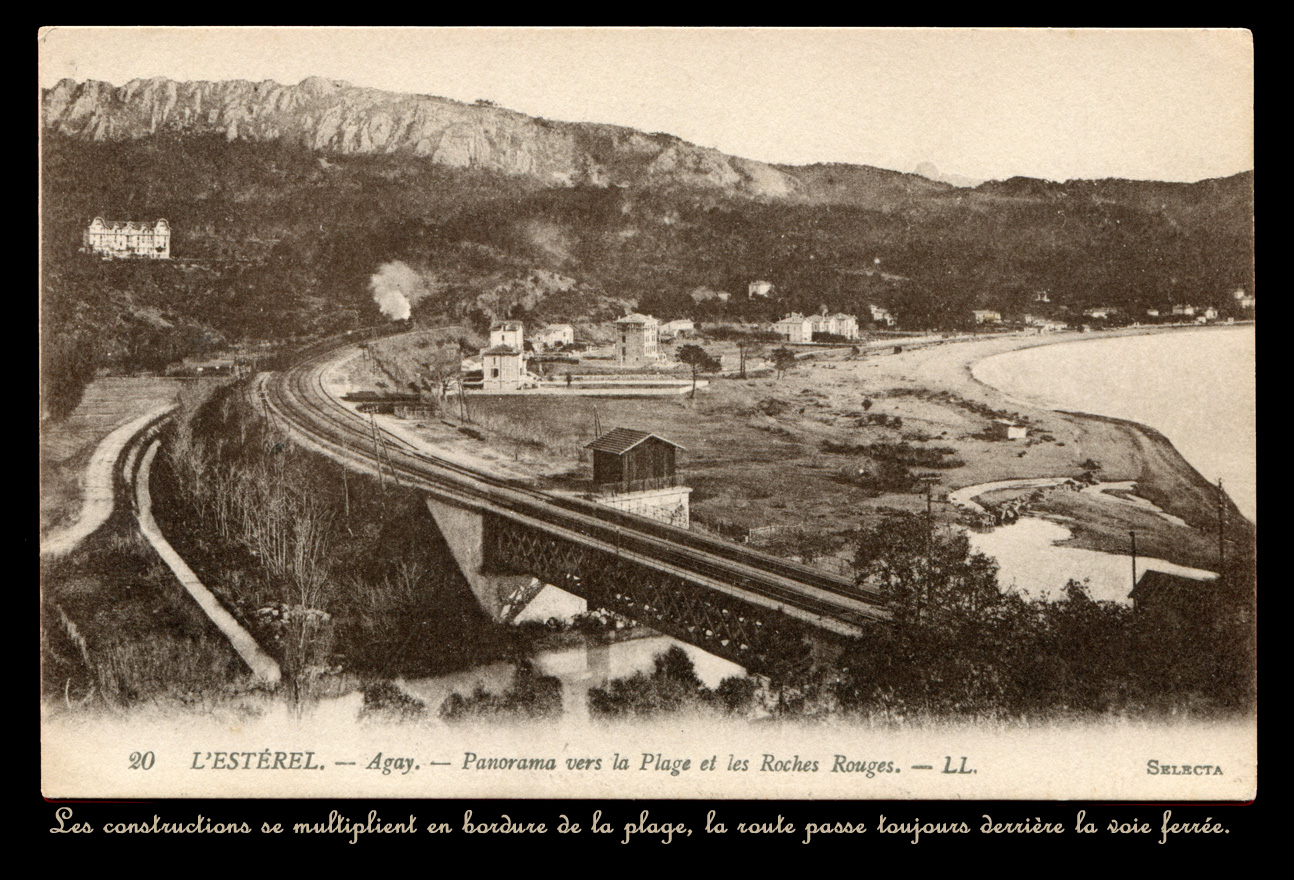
{"x": 699, "y": 360}
{"x": 783, "y": 360}
{"x": 929, "y": 575}
{"x": 442, "y": 367}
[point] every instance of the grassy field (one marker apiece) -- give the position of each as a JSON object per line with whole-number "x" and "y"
{"x": 66, "y": 446}
{"x": 840, "y": 441}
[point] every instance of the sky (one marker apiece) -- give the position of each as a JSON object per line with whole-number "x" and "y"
{"x": 981, "y": 103}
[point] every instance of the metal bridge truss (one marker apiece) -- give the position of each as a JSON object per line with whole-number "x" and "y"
{"x": 722, "y": 624}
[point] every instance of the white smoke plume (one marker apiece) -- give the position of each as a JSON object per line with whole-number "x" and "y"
{"x": 396, "y": 289}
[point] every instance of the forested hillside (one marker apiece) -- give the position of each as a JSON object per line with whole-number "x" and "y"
{"x": 274, "y": 239}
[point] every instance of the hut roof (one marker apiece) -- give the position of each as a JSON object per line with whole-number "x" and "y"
{"x": 618, "y": 441}
{"x": 1154, "y": 582}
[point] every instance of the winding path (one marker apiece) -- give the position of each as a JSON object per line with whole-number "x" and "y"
{"x": 98, "y": 487}
{"x": 253, "y": 655}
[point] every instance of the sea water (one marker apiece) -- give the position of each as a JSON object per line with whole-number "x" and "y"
{"x": 1196, "y": 387}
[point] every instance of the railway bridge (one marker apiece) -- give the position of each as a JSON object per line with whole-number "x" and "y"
{"x": 510, "y": 540}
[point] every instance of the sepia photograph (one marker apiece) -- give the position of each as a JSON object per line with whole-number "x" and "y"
{"x": 669, "y": 413}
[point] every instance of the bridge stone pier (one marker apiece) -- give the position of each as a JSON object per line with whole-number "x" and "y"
{"x": 501, "y": 595}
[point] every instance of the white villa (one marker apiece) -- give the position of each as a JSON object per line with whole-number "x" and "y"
{"x": 125, "y": 238}
{"x": 503, "y": 369}
{"x": 554, "y": 335}
{"x": 837, "y": 325}
{"x": 794, "y": 328}
{"x": 509, "y": 334}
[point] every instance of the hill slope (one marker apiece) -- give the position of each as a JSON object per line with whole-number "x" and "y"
{"x": 287, "y": 201}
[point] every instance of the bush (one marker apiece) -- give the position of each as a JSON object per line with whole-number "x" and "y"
{"x": 770, "y": 406}
{"x": 531, "y": 695}
{"x": 672, "y": 686}
{"x": 384, "y": 701}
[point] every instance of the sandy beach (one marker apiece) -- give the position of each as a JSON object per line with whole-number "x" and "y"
{"x": 1126, "y": 451}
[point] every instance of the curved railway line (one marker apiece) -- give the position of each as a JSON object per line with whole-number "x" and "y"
{"x": 297, "y": 396}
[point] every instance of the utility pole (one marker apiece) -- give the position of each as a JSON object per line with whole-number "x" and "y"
{"x": 930, "y": 526}
{"x": 1222, "y": 519}
{"x": 1133, "y": 534}
{"x": 377, "y": 458}
{"x": 462, "y": 391}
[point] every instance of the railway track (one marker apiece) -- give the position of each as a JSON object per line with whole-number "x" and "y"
{"x": 298, "y": 397}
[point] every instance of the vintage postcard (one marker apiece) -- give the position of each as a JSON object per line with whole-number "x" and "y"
{"x": 675, "y": 413}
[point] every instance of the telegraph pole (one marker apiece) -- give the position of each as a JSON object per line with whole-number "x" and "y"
{"x": 1134, "y": 558}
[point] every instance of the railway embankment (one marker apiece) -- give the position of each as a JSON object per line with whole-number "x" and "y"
{"x": 338, "y": 575}
{"x": 261, "y": 664}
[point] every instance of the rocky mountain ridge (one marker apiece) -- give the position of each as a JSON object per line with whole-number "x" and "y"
{"x": 337, "y": 117}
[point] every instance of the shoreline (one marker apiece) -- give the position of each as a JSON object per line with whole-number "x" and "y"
{"x": 1127, "y": 450}
{"x": 1167, "y": 479}
{"x": 1149, "y": 432}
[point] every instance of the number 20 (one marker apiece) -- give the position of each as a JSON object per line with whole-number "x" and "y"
{"x": 141, "y": 761}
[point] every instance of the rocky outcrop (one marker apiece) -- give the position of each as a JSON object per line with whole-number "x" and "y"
{"x": 336, "y": 117}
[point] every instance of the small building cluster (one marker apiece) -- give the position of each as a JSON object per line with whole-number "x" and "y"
{"x": 796, "y": 328}
{"x": 1044, "y": 325}
{"x": 881, "y": 316}
{"x": 503, "y": 364}
{"x": 836, "y": 325}
{"x": 986, "y": 316}
{"x": 678, "y": 327}
{"x": 117, "y": 239}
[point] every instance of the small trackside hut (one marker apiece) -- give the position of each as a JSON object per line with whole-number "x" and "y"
{"x": 636, "y": 471}
{"x": 626, "y": 460}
